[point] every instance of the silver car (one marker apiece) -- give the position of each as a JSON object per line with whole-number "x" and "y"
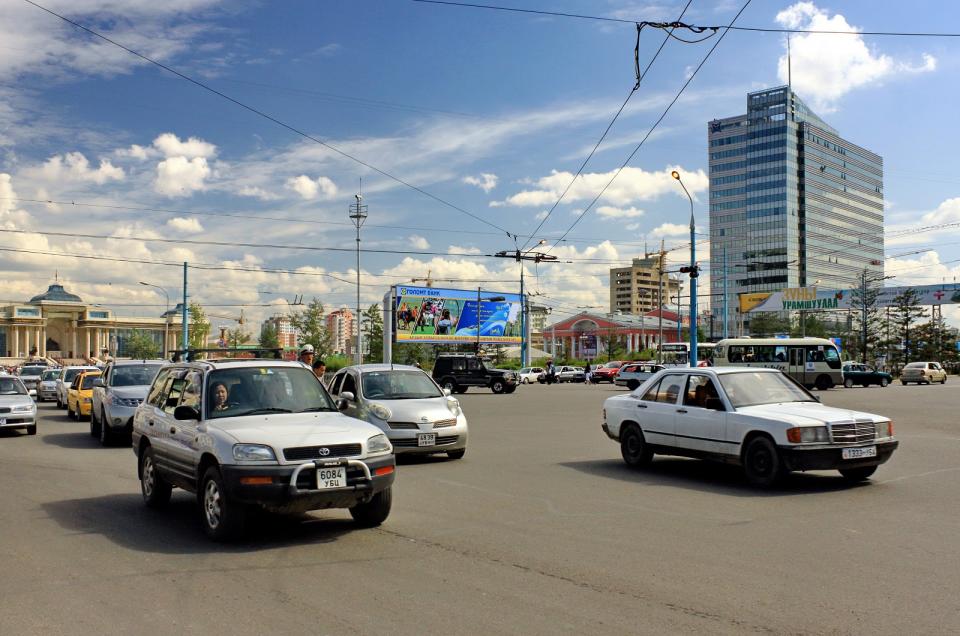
{"x": 633, "y": 374}
{"x": 406, "y": 404}
{"x": 30, "y": 376}
{"x": 116, "y": 396}
{"x": 17, "y": 408}
{"x": 47, "y": 389}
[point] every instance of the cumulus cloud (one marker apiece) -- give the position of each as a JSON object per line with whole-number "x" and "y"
{"x": 542, "y": 214}
{"x": 181, "y": 177}
{"x": 185, "y": 225}
{"x": 418, "y": 242}
{"x": 256, "y": 192}
{"x": 486, "y": 181}
{"x": 827, "y": 67}
{"x": 307, "y": 188}
{"x": 946, "y": 212}
{"x": 172, "y": 146}
{"x": 136, "y": 151}
{"x": 10, "y": 217}
{"x": 671, "y": 229}
{"x": 633, "y": 184}
{"x": 611, "y": 212}
{"x": 75, "y": 167}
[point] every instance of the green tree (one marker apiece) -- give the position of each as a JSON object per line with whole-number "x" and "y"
{"x": 268, "y": 337}
{"x": 866, "y": 323}
{"x": 768, "y": 324}
{"x": 811, "y": 325}
{"x": 237, "y": 336}
{"x": 311, "y": 328}
{"x": 373, "y": 324}
{"x": 905, "y": 315}
{"x": 142, "y": 346}
{"x": 199, "y": 327}
{"x": 936, "y": 341}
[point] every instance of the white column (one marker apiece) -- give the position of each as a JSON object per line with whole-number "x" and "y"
{"x": 13, "y": 340}
{"x": 86, "y": 344}
{"x": 73, "y": 338}
{"x": 43, "y": 340}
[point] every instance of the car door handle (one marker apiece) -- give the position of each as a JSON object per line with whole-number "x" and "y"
{"x": 150, "y": 423}
{"x": 681, "y": 410}
{"x": 173, "y": 430}
{"x": 641, "y": 405}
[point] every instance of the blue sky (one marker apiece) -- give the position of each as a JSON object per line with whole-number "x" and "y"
{"x": 490, "y": 111}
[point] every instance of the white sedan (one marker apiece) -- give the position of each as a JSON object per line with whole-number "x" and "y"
{"x": 529, "y": 375}
{"x": 758, "y": 418}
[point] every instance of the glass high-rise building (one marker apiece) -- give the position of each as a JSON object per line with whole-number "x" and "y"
{"x": 792, "y": 203}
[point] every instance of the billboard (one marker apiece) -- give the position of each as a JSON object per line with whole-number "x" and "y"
{"x": 813, "y": 299}
{"x": 450, "y": 316}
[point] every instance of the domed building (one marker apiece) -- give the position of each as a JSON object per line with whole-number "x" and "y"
{"x": 60, "y": 325}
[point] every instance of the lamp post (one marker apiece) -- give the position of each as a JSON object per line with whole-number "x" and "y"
{"x": 694, "y": 272}
{"x": 358, "y": 215}
{"x": 166, "y": 318}
{"x": 520, "y": 256}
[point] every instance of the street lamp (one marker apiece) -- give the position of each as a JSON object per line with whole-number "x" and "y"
{"x": 166, "y": 318}
{"x": 694, "y": 272}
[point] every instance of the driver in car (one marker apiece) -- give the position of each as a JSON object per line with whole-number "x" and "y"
{"x": 220, "y": 395}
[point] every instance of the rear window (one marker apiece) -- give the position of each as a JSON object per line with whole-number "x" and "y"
{"x": 32, "y": 370}
{"x": 915, "y": 365}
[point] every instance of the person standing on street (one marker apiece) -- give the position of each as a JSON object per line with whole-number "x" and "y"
{"x": 306, "y": 355}
{"x": 319, "y": 369}
{"x": 586, "y": 374}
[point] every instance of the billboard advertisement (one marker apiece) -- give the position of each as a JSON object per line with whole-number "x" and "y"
{"x": 450, "y": 316}
{"x": 813, "y": 299}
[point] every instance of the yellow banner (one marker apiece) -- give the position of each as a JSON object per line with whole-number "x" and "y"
{"x": 749, "y": 301}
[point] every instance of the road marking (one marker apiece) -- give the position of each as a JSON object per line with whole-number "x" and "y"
{"x": 932, "y": 472}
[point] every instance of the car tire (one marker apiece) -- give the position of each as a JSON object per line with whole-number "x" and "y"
{"x": 858, "y": 474}
{"x": 944, "y": 380}
{"x": 524, "y": 381}
{"x": 632, "y": 384}
{"x": 460, "y": 389}
{"x": 848, "y": 383}
{"x": 106, "y": 435}
{"x": 633, "y": 447}
{"x": 449, "y": 383}
{"x": 497, "y": 386}
{"x": 374, "y": 512}
{"x": 457, "y": 454}
{"x": 510, "y": 389}
{"x": 221, "y": 518}
{"x": 155, "y": 491}
{"x": 32, "y": 430}
{"x": 884, "y": 382}
{"x": 823, "y": 383}
{"x": 762, "y": 464}
{"x": 903, "y": 382}
{"x": 69, "y": 412}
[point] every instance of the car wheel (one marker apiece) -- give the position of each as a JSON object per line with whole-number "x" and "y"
{"x": 903, "y": 382}
{"x": 848, "y": 383}
{"x": 632, "y": 384}
{"x": 375, "y": 511}
{"x": 155, "y": 491}
{"x": 884, "y": 382}
{"x": 460, "y": 389}
{"x": 633, "y": 447}
{"x": 222, "y": 519}
{"x": 824, "y": 382}
{"x": 59, "y": 404}
{"x": 69, "y": 412}
{"x": 510, "y": 389}
{"x": 944, "y": 380}
{"x": 449, "y": 383}
{"x": 497, "y": 386}
{"x": 457, "y": 454}
{"x": 761, "y": 462}
{"x": 106, "y": 435}
{"x": 858, "y": 474}
{"x": 32, "y": 430}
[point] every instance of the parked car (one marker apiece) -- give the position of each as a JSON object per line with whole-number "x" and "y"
{"x": 606, "y": 372}
{"x": 67, "y": 374}
{"x": 460, "y": 371}
{"x": 758, "y": 418}
{"x": 116, "y": 396}
{"x": 80, "y": 395}
{"x": 17, "y": 408}
{"x": 528, "y": 375}
{"x": 245, "y": 433}
{"x": 923, "y": 373}
{"x": 864, "y": 375}
{"x": 406, "y": 404}
{"x": 30, "y": 375}
{"x": 633, "y": 374}
{"x": 571, "y": 374}
{"x": 47, "y": 389}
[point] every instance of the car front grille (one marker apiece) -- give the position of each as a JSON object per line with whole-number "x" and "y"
{"x": 315, "y": 452}
{"x": 447, "y": 440}
{"x": 853, "y": 432}
{"x": 4, "y": 409}
{"x": 403, "y": 426}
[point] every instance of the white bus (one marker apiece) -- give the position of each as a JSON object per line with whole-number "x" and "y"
{"x": 677, "y": 354}
{"x": 814, "y": 362}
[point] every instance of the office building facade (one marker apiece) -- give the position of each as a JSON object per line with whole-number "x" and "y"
{"x": 342, "y": 329}
{"x": 286, "y": 333}
{"x": 792, "y": 203}
{"x": 638, "y": 289}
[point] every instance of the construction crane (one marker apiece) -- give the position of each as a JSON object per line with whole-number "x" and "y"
{"x": 427, "y": 281}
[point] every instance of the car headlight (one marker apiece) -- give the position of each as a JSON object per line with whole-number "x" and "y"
{"x": 253, "y": 453}
{"x": 23, "y": 408}
{"x": 381, "y": 411}
{"x": 808, "y": 435}
{"x": 884, "y": 429}
{"x": 454, "y": 405}
{"x": 378, "y": 444}
{"x": 119, "y": 401}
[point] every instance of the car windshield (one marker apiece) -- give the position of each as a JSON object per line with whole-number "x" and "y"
{"x": 261, "y": 390}
{"x": 87, "y": 381}
{"x": 11, "y": 386}
{"x": 398, "y": 385}
{"x": 70, "y": 374}
{"x": 32, "y": 370}
{"x": 134, "y": 375}
{"x": 612, "y": 365}
{"x": 753, "y": 388}
{"x": 525, "y": 370}
{"x": 52, "y": 374}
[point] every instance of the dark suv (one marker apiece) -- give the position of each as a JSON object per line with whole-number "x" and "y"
{"x": 459, "y": 371}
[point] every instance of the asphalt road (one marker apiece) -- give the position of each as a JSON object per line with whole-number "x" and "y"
{"x": 540, "y": 529}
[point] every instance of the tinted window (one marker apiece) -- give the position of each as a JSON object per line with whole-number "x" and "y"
{"x": 32, "y": 370}
{"x": 174, "y": 394}
{"x": 133, "y": 375}
{"x": 335, "y": 386}
{"x": 349, "y": 384}
{"x": 699, "y": 389}
{"x": 651, "y": 394}
{"x": 473, "y": 364}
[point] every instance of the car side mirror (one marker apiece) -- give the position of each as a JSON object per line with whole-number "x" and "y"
{"x": 97, "y": 383}
{"x": 347, "y": 396}
{"x": 342, "y": 404}
{"x": 447, "y": 392}
{"x": 715, "y": 404}
{"x": 182, "y": 413}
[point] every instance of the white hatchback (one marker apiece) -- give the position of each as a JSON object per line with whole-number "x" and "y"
{"x": 757, "y": 418}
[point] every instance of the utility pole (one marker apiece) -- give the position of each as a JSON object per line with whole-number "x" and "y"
{"x": 863, "y": 315}
{"x": 724, "y": 291}
{"x": 694, "y": 271}
{"x": 358, "y": 214}
{"x": 520, "y": 256}
{"x": 661, "y": 254}
{"x": 185, "y": 339}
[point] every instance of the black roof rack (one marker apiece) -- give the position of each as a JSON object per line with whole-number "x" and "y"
{"x": 189, "y": 355}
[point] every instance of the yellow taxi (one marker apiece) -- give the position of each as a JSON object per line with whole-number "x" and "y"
{"x": 80, "y": 395}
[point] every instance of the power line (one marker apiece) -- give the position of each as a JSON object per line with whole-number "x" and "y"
{"x": 271, "y": 118}
{"x": 657, "y": 123}
{"x": 581, "y": 16}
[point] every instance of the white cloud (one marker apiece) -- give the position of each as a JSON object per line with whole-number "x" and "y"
{"x": 180, "y": 177}
{"x": 946, "y": 212}
{"x": 309, "y": 188}
{"x": 456, "y": 249}
{"x": 418, "y": 242}
{"x": 542, "y": 214}
{"x": 171, "y": 146}
{"x": 610, "y": 212}
{"x": 75, "y": 167}
{"x": 256, "y": 192}
{"x": 633, "y": 184}
{"x": 136, "y": 151}
{"x": 187, "y": 226}
{"x": 671, "y": 229}
{"x": 826, "y": 67}
{"x": 486, "y": 181}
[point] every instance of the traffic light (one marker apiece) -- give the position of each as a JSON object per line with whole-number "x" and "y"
{"x": 693, "y": 270}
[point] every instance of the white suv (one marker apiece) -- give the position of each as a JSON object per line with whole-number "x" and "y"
{"x": 255, "y": 432}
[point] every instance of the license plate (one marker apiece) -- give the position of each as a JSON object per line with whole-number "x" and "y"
{"x": 859, "y": 453}
{"x": 426, "y": 439}
{"x": 331, "y": 477}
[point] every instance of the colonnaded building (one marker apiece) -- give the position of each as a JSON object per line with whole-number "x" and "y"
{"x": 59, "y": 325}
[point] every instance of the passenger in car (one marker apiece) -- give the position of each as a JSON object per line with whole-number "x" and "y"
{"x": 219, "y": 394}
